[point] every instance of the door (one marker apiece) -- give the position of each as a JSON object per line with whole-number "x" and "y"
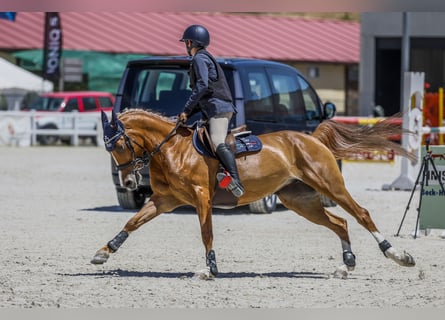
{"x": 388, "y": 75}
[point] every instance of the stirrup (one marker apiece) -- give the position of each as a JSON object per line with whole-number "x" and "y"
{"x": 226, "y": 181}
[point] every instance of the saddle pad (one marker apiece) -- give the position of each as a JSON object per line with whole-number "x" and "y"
{"x": 248, "y": 143}
{"x": 245, "y": 143}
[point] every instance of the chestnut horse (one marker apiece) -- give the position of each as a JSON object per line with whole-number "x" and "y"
{"x": 296, "y": 166}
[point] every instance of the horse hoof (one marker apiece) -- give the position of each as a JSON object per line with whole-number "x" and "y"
{"x": 349, "y": 260}
{"x": 341, "y": 272}
{"x": 408, "y": 260}
{"x": 100, "y": 257}
{"x": 203, "y": 274}
{"x": 403, "y": 259}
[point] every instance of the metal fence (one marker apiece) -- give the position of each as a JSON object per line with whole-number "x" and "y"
{"x": 25, "y": 128}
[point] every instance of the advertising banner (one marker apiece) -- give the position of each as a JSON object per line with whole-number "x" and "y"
{"x": 52, "y": 46}
{"x": 8, "y": 15}
{"x": 432, "y": 209}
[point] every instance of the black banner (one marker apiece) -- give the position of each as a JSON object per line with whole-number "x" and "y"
{"x": 52, "y": 46}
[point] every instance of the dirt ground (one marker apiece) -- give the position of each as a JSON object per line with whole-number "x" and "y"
{"x": 58, "y": 206}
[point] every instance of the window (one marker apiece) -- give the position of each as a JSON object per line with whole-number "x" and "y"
{"x": 71, "y": 105}
{"x": 284, "y": 87}
{"x": 258, "y": 95}
{"x": 165, "y": 83}
{"x": 287, "y": 92}
{"x": 105, "y": 102}
{"x": 165, "y": 91}
{"x": 89, "y": 103}
{"x": 313, "y": 72}
{"x": 140, "y": 96}
{"x": 311, "y": 101}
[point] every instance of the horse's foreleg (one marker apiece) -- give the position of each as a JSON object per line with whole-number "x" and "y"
{"x": 205, "y": 221}
{"x": 147, "y": 212}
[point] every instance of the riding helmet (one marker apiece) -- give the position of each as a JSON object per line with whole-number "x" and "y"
{"x": 198, "y": 34}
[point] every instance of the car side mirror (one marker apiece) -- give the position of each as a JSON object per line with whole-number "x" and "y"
{"x": 329, "y": 110}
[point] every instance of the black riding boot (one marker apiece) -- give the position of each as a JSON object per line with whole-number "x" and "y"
{"x": 228, "y": 161}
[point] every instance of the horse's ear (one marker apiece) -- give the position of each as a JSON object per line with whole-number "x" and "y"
{"x": 104, "y": 119}
{"x": 113, "y": 117}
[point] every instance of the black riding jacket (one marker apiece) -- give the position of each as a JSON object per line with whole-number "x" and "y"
{"x": 210, "y": 91}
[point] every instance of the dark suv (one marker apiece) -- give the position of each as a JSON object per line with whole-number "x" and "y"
{"x": 269, "y": 96}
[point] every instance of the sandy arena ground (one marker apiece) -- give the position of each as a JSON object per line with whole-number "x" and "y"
{"x": 58, "y": 206}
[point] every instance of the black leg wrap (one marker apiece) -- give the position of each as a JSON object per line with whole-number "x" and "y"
{"x": 117, "y": 241}
{"x": 348, "y": 258}
{"x": 211, "y": 262}
{"x": 384, "y": 245}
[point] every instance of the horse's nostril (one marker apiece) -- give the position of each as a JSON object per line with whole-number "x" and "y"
{"x": 129, "y": 183}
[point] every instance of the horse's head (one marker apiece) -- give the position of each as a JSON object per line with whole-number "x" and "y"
{"x": 128, "y": 154}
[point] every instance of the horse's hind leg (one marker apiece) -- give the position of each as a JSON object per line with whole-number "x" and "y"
{"x": 306, "y": 202}
{"x": 333, "y": 186}
{"x": 363, "y": 217}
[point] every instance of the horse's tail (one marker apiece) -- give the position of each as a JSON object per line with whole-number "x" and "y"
{"x": 347, "y": 140}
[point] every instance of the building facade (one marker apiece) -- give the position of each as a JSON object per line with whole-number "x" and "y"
{"x": 381, "y": 44}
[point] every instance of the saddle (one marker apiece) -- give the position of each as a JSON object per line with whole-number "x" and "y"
{"x": 240, "y": 141}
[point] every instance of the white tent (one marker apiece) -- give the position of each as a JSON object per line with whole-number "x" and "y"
{"x": 12, "y": 76}
{"x": 15, "y": 82}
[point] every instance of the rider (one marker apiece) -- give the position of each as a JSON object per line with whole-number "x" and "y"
{"x": 211, "y": 96}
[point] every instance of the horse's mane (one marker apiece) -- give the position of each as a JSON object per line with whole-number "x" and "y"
{"x": 145, "y": 112}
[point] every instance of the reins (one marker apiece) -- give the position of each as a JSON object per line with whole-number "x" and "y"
{"x": 139, "y": 162}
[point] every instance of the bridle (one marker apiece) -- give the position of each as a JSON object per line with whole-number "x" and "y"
{"x": 140, "y": 162}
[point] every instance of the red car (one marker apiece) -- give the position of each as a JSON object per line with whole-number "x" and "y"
{"x": 80, "y": 101}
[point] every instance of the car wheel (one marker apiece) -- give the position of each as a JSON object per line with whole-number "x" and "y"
{"x": 47, "y": 140}
{"x": 94, "y": 138}
{"x": 66, "y": 141}
{"x": 265, "y": 205}
{"x": 130, "y": 199}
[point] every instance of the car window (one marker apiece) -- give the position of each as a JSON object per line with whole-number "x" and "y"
{"x": 105, "y": 102}
{"x": 258, "y": 96}
{"x": 71, "y": 105}
{"x": 89, "y": 103}
{"x": 46, "y": 104}
{"x": 311, "y": 100}
{"x": 165, "y": 82}
{"x": 274, "y": 95}
{"x": 288, "y": 99}
{"x": 162, "y": 90}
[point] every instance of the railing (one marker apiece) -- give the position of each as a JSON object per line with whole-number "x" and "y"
{"x": 23, "y": 127}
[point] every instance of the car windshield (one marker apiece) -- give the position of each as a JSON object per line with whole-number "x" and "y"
{"x": 162, "y": 90}
{"x": 46, "y": 104}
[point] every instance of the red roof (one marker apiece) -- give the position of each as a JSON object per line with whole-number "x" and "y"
{"x": 157, "y": 33}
